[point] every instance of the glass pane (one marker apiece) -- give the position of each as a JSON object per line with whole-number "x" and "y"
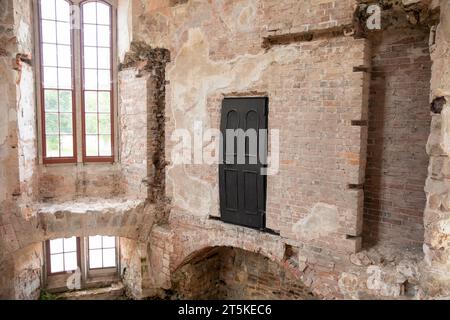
{"x": 103, "y": 14}
{"x": 92, "y": 146}
{"x": 70, "y": 261}
{"x": 89, "y": 12}
{"x": 104, "y": 58}
{"x": 104, "y": 80}
{"x": 64, "y": 78}
{"x": 90, "y": 35}
{"x": 50, "y": 77}
{"x": 90, "y": 101}
{"x": 65, "y": 101}
{"x": 90, "y": 79}
{"x": 48, "y": 31}
{"x": 65, "y": 123}
{"x": 90, "y": 57}
{"x": 63, "y": 33}
{"x": 70, "y": 244}
{"x": 105, "y": 146}
{"x": 103, "y": 36}
{"x": 56, "y": 263}
{"x": 51, "y": 123}
{"x": 51, "y": 100}
{"x": 95, "y": 242}
{"x": 56, "y": 246}
{"x": 48, "y": 9}
{"x": 95, "y": 259}
{"x": 104, "y": 123}
{"x": 91, "y": 123}
{"x": 109, "y": 242}
{"x": 104, "y": 103}
{"x": 52, "y": 144}
{"x": 62, "y": 10}
{"x": 64, "y": 56}
{"x": 67, "y": 146}
{"x": 109, "y": 258}
{"x": 49, "y": 55}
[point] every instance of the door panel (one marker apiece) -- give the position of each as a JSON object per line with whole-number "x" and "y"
{"x": 242, "y": 186}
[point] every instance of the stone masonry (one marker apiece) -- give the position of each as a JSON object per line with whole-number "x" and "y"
{"x": 359, "y": 207}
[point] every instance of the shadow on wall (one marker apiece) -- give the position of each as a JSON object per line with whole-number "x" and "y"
{"x": 228, "y": 273}
{"x": 399, "y": 122}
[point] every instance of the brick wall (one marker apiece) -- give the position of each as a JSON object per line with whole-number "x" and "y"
{"x": 399, "y": 126}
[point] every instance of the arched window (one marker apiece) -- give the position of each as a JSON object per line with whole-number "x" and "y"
{"x": 77, "y": 66}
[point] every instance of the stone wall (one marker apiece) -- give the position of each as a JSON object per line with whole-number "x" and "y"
{"x": 399, "y": 125}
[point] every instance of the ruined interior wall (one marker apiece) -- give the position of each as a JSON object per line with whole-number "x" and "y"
{"x": 26, "y": 104}
{"x": 399, "y": 122}
{"x": 437, "y": 213}
{"x": 313, "y": 95}
{"x": 130, "y": 267}
{"x": 28, "y": 263}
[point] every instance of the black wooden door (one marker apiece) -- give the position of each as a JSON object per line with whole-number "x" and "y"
{"x": 242, "y": 184}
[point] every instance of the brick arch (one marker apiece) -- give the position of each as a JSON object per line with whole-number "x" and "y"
{"x": 189, "y": 243}
{"x": 209, "y": 268}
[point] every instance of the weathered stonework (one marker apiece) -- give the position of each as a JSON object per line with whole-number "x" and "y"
{"x": 353, "y": 110}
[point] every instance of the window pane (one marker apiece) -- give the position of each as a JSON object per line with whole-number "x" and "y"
{"x": 48, "y": 9}
{"x": 90, "y": 35}
{"x": 103, "y": 36}
{"x": 109, "y": 242}
{"x": 105, "y": 145}
{"x": 52, "y": 144}
{"x": 95, "y": 242}
{"x": 90, "y": 79}
{"x": 66, "y": 146}
{"x": 104, "y": 123}
{"x": 70, "y": 261}
{"x": 103, "y": 14}
{"x": 62, "y": 10}
{"x": 51, "y": 123}
{"x": 104, "y": 58}
{"x": 90, "y": 57}
{"x": 109, "y": 258}
{"x": 51, "y": 100}
{"x": 92, "y": 146}
{"x": 65, "y": 101}
{"x": 63, "y": 32}
{"x": 64, "y": 56}
{"x": 104, "y": 80}
{"x": 64, "y": 78}
{"x": 91, "y": 123}
{"x": 50, "y": 77}
{"x": 89, "y": 12}
{"x": 49, "y": 55}
{"x": 57, "y": 263}
{"x": 95, "y": 259}
{"x": 104, "y": 103}
{"x": 48, "y": 31}
{"x": 65, "y": 123}
{"x": 90, "y": 101}
{"x": 56, "y": 246}
{"x": 70, "y": 244}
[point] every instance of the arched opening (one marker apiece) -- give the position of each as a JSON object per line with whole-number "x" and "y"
{"x": 228, "y": 273}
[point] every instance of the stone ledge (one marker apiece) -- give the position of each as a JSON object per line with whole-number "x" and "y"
{"x": 88, "y": 206}
{"x": 113, "y": 292}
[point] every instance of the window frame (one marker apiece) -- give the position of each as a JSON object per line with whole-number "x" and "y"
{"x": 56, "y": 282}
{"x": 78, "y": 103}
{"x": 48, "y": 258}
